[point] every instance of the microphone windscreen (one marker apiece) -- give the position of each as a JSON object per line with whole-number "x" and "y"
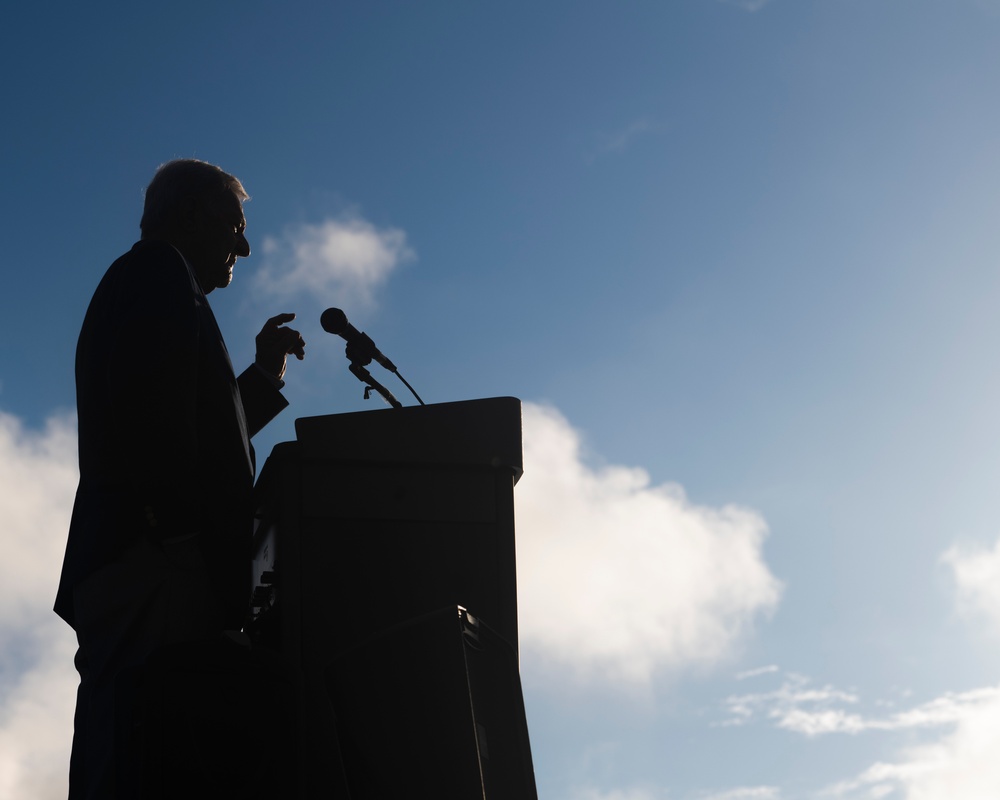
{"x": 334, "y": 321}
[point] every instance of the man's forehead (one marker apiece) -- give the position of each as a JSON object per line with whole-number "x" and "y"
{"x": 234, "y": 205}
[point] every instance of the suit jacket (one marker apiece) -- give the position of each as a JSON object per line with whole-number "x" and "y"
{"x": 164, "y": 426}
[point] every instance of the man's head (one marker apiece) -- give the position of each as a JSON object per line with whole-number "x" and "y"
{"x": 198, "y": 208}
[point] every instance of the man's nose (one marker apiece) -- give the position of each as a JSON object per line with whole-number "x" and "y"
{"x": 242, "y": 246}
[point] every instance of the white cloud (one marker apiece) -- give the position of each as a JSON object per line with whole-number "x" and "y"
{"x": 342, "y": 260}
{"x": 965, "y": 764}
{"x": 36, "y": 717}
{"x": 618, "y": 578}
{"x": 977, "y": 576}
{"x": 37, "y": 680}
{"x": 38, "y": 474}
{"x": 962, "y": 765}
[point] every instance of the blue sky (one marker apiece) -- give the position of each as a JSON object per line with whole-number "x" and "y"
{"x": 738, "y": 260}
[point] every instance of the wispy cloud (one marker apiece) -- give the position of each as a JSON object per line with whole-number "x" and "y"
{"x": 800, "y": 707}
{"x": 795, "y": 705}
{"x": 621, "y": 139}
{"x": 756, "y": 673}
{"x": 342, "y": 260}
{"x": 618, "y": 578}
{"x": 747, "y": 5}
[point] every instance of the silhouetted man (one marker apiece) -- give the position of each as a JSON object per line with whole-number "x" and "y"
{"x": 159, "y": 543}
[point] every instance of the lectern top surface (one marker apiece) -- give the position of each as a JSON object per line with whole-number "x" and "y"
{"x": 484, "y": 432}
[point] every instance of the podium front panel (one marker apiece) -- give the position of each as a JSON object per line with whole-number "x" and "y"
{"x": 374, "y": 519}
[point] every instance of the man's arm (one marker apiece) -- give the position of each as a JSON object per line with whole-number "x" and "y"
{"x": 260, "y": 384}
{"x": 262, "y": 398}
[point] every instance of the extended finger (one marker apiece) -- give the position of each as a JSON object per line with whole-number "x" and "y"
{"x": 280, "y": 319}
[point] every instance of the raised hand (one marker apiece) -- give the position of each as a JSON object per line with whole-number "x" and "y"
{"x": 275, "y": 343}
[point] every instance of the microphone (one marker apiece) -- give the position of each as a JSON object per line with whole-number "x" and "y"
{"x": 359, "y": 344}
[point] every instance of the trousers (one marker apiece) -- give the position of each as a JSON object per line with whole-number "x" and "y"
{"x": 154, "y": 594}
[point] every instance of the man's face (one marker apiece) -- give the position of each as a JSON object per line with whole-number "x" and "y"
{"x": 218, "y": 240}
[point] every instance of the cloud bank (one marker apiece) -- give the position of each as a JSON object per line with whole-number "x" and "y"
{"x": 343, "y": 260}
{"x": 37, "y": 680}
{"x": 618, "y": 578}
{"x": 961, "y": 765}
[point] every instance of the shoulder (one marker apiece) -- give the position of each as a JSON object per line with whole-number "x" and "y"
{"x": 154, "y": 270}
{"x": 150, "y": 283}
{"x": 155, "y": 259}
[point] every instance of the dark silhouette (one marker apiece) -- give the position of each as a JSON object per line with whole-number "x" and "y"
{"x": 384, "y": 539}
{"x": 159, "y": 543}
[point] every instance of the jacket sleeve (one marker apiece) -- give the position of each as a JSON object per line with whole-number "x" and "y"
{"x": 262, "y": 401}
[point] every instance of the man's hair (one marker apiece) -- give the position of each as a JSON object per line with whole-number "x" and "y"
{"x": 175, "y": 185}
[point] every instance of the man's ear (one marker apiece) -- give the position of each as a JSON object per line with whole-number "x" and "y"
{"x": 190, "y": 216}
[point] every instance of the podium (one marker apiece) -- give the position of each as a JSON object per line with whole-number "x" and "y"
{"x": 379, "y": 533}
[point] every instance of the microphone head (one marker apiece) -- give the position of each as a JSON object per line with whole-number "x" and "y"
{"x": 334, "y": 321}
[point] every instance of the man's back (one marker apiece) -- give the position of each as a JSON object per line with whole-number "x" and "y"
{"x": 164, "y": 447}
